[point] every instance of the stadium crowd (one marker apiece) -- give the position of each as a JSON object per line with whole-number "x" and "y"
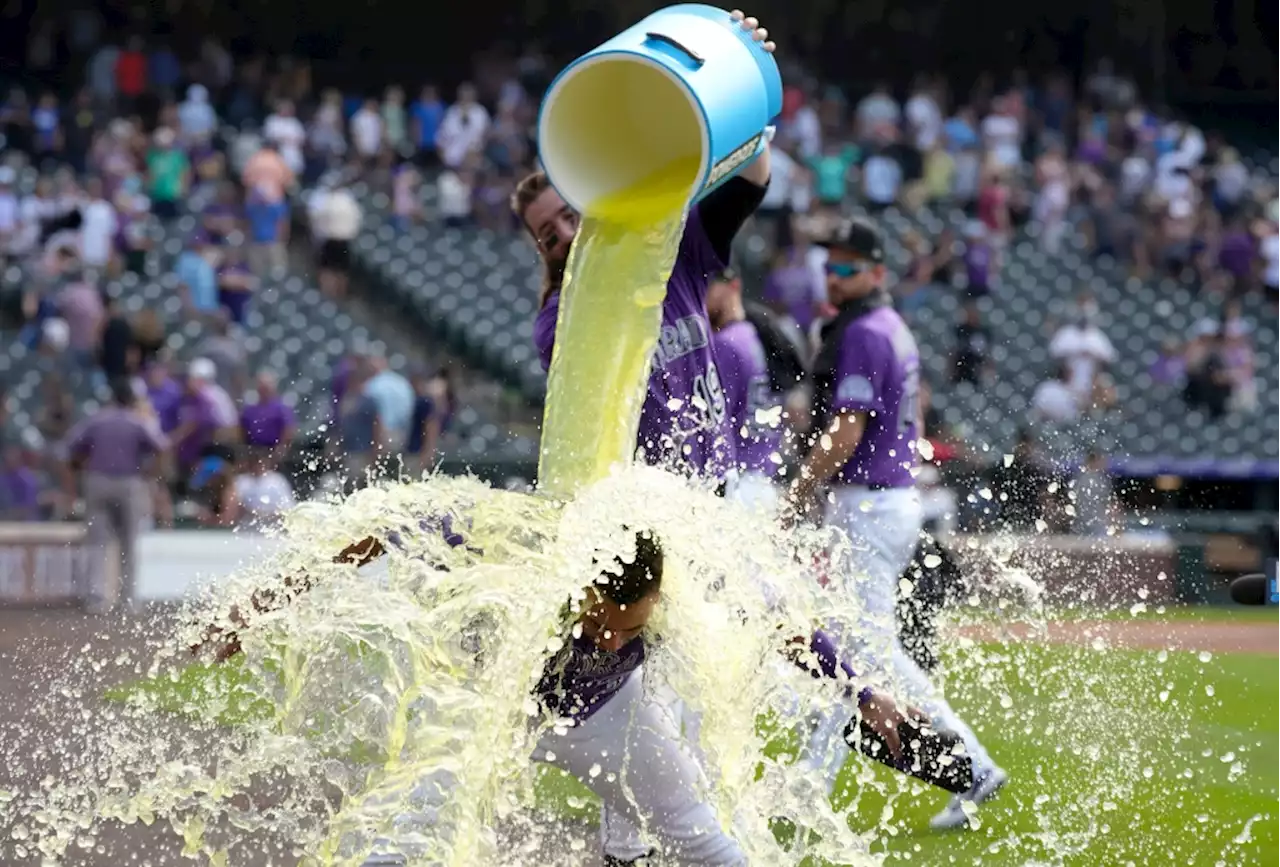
{"x": 89, "y": 188}
{"x": 87, "y": 181}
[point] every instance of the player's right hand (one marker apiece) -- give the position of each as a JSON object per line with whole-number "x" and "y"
{"x": 882, "y": 715}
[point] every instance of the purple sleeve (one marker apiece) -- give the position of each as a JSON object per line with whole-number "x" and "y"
{"x": 860, "y": 371}
{"x": 76, "y": 441}
{"x": 544, "y": 329}
{"x": 824, "y": 651}
{"x": 697, "y": 250}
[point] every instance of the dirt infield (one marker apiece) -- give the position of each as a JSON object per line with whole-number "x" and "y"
{"x": 1140, "y": 634}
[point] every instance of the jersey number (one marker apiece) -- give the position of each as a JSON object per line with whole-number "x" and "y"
{"x": 708, "y": 397}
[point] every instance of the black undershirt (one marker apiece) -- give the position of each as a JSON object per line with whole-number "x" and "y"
{"x": 725, "y": 209}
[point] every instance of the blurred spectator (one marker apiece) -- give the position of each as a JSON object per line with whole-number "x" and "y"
{"x": 10, "y": 214}
{"x": 358, "y": 424}
{"x": 832, "y": 171}
{"x": 196, "y": 118}
{"x": 1052, "y": 199}
{"x": 116, "y": 447}
{"x": 335, "y": 222}
{"x": 20, "y": 494}
{"x": 169, "y": 171}
{"x": 881, "y": 178}
{"x": 286, "y": 136}
{"x": 1083, "y": 346}
{"x": 222, "y": 216}
{"x": 1208, "y": 386}
{"x": 1094, "y": 500}
{"x": 463, "y": 128}
{"x": 393, "y": 397}
{"x": 131, "y": 74}
{"x": 268, "y": 422}
{"x": 938, "y": 176}
{"x": 164, "y": 393}
{"x": 1268, "y": 232}
{"x": 918, "y": 274}
{"x": 1230, "y": 182}
{"x": 877, "y": 112}
{"x": 149, "y": 338}
{"x": 236, "y": 284}
{"x": 46, "y": 128}
{"x": 1237, "y": 252}
{"x": 1002, "y": 134}
{"x": 116, "y": 353}
{"x": 1056, "y": 400}
{"x": 80, "y": 305}
{"x": 454, "y": 190}
{"x": 979, "y": 260}
{"x": 1170, "y": 366}
{"x": 924, "y": 116}
{"x": 432, "y": 408}
{"x": 327, "y": 139}
{"x": 230, "y": 361}
{"x": 406, "y": 206}
{"x": 98, "y": 226}
{"x": 395, "y": 121}
{"x": 1238, "y": 360}
{"x": 259, "y": 491}
{"x": 266, "y": 181}
{"x": 367, "y": 135}
{"x": 993, "y": 209}
{"x": 426, "y": 114}
{"x": 197, "y": 279}
{"x": 973, "y": 342}
{"x": 164, "y": 70}
{"x": 206, "y": 415}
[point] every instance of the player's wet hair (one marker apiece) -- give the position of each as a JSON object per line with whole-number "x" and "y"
{"x": 639, "y": 578}
{"x": 530, "y": 187}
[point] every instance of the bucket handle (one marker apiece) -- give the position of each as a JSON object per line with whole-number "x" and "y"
{"x": 697, "y": 58}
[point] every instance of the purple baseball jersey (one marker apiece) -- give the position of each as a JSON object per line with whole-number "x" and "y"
{"x": 878, "y": 372}
{"x": 582, "y": 677}
{"x": 748, "y": 398}
{"x": 683, "y": 424}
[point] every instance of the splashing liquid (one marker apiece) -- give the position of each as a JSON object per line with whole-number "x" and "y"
{"x": 391, "y": 708}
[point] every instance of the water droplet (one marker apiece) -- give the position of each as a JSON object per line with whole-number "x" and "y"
{"x": 1205, "y": 656}
{"x": 594, "y": 771}
{"x": 932, "y": 561}
{"x": 985, "y": 493}
{"x": 1008, "y": 460}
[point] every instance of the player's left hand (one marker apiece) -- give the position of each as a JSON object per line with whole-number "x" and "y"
{"x": 752, "y": 25}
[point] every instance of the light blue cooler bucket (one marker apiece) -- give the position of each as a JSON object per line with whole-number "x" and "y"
{"x": 687, "y": 81}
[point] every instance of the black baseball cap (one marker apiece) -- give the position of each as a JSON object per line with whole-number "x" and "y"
{"x": 857, "y": 236}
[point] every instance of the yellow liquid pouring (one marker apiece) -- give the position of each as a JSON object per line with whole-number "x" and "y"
{"x": 609, "y": 318}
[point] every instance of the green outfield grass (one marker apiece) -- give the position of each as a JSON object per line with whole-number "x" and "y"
{"x": 1115, "y": 757}
{"x": 1085, "y": 797}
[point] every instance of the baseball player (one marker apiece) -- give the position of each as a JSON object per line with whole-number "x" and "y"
{"x": 623, "y": 745}
{"x": 866, "y": 425}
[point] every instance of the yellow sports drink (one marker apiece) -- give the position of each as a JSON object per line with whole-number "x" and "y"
{"x": 631, "y": 134}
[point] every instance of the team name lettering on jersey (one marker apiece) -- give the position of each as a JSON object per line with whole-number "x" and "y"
{"x": 677, "y": 341}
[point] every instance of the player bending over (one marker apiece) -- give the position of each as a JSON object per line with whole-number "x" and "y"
{"x": 645, "y": 774}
